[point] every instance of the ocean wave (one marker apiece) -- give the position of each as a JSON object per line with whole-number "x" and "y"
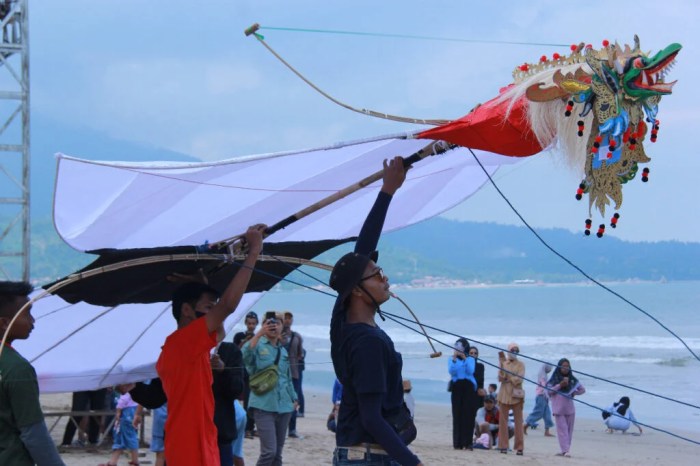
{"x": 675, "y": 362}
{"x": 635, "y": 344}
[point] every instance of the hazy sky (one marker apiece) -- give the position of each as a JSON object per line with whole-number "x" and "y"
{"x": 182, "y": 75}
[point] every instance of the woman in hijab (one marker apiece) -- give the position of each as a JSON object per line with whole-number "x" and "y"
{"x": 511, "y": 396}
{"x": 541, "y": 409}
{"x": 619, "y": 417}
{"x": 563, "y": 386}
{"x": 464, "y": 398}
{"x": 479, "y": 371}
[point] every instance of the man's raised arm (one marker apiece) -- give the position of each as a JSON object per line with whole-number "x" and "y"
{"x": 234, "y": 291}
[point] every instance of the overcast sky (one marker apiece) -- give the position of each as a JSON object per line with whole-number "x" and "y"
{"x": 182, "y": 75}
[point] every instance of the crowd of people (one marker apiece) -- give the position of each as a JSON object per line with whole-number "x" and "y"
{"x": 212, "y": 394}
{"x": 501, "y": 416}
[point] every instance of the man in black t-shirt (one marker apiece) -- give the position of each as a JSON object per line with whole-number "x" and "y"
{"x": 371, "y": 425}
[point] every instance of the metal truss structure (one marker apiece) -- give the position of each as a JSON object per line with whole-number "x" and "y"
{"x": 14, "y": 141}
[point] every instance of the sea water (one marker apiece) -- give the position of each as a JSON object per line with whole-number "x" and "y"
{"x": 598, "y": 332}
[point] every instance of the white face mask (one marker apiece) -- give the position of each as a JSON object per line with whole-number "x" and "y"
{"x": 512, "y": 356}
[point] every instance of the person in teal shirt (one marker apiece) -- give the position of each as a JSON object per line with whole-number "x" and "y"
{"x": 272, "y": 410}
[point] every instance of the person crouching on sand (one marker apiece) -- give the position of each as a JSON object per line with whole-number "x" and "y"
{"x": 619, "y": 416}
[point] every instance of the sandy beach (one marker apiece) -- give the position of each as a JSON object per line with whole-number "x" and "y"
{"x": 591, "y": 445}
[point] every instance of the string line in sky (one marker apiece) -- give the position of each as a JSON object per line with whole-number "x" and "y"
{"x": 576, "y": 267}
{"x": 388, "y": 35}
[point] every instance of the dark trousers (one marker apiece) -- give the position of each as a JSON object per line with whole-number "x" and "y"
{"x": 464, "y": 402}
{"x": 250, "y": 413}
{"x": 86, "y": 401}
{"x": 226, "y": 453}
{"x": 272, "y": 430}
{"x": 300, "y": 391}
{"x": 297, "y": 388}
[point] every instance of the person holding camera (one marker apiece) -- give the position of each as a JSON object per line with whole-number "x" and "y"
{"x": 272, "y": 397}
{"x": 511, "y": 397}
{"x": 464, "y": 397}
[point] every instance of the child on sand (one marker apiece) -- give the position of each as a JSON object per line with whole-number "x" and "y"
{"x": 127, "y": 420}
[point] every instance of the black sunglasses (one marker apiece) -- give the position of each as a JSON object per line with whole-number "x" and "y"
{"x": 379, "y": 272}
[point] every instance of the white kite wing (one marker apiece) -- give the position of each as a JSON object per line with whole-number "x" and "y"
{"x": 117, "y": 205}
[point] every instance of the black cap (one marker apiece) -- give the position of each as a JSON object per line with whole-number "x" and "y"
{"x": 348, "y": 271}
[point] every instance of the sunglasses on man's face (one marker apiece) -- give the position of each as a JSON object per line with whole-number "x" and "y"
{"x": 377, "y": 273}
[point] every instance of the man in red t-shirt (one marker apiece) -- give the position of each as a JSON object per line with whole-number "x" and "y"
{"x": 184, "y": 364}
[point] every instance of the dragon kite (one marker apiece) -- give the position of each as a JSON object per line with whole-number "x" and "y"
{"x": 596, "y": 105}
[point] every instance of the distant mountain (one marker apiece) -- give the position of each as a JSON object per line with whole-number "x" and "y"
{"x": 49, "y": 137}
{"x": 50, "y": 256}
{"x": 498, "y": 253}
{"x": 491, "y": 253}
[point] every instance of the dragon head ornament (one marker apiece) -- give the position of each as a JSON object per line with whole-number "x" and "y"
{"x": 607, "y": 98}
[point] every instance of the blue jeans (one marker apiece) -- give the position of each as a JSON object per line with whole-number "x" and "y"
{"x": 541, "y": 410}
{"x": 340, "y": 458}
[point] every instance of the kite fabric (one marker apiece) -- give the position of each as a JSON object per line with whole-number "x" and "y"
{"x": 493, "y": 127}
{"x": 99, "y": 205}
{"x": 76, "y": 347}
{"x": 121, "y": 206}
{"x": 152, "y": 282}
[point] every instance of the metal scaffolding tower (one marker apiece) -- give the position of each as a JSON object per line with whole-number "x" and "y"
{"x": 14, "y": 140}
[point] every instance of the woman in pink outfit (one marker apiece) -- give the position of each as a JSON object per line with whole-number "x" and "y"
{"x": 563, "y": 387}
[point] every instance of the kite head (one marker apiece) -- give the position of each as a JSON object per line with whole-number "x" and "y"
{"x": 348, "y": 272}
{"x": 645, "y": 77}
{"x": 603, "y": 104}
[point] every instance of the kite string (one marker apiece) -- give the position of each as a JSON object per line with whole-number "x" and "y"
{"x": 410, "y": 36}
{"x": 576, "y": 267}
{"x": 629, "y": 387}
{"x": 393, "y": 317}
{"x": 472, "y": 339}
